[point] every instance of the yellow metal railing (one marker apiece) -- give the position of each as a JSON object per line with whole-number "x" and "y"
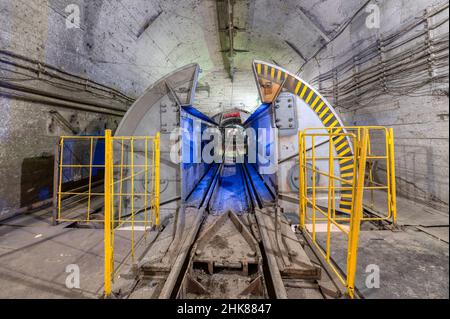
{"x": 69, "y": 172}
{"x": 319, "y": 201}
{"x": 383, "y": 155}
{"x": 380, "y": 151}
{"x": 128, "y": 198}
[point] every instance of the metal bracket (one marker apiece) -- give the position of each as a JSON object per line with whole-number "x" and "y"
{"x": 169, "y": 114}
{"x": 285, "y": 107}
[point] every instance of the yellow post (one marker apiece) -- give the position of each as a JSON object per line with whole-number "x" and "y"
{"x": 356, "y": 214}
{"x": 61, "y": 162}
{"x": 370, "y": 175}
{"x": 112, "y": 207}
{"x": 121, "y": 178}
{"x": 393, "y": 186}
{"x": 313, "y": 172}
{"x": 132, "y": 197}
{"x": 157, "y": 167}
{"x": 330, "y": 194}
{"x": 107, "y": 205}
{"x": 388, "y": 173}
{"x": 301, "y": 208}
{"x": 91, "y": 155}
{"x": 145, "y": 186}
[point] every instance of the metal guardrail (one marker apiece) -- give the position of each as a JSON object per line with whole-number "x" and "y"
{"x": 130, "y": 171}
{"x": 326, "y": 214}
{"x": 380, "y": 152}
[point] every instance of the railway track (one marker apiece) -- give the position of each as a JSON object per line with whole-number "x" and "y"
{"x": 225, "y": 243}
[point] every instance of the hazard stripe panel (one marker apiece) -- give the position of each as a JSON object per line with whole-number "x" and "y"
{"x": 323, "y": 111}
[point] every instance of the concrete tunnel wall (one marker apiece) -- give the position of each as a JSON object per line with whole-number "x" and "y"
{"x": 128, "y": 45}
{"x": 421, "y": 122}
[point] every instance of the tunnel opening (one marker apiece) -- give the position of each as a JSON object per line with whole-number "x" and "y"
{"x": 224, "y": 165}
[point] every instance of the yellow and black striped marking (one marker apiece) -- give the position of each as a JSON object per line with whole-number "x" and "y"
{"x": 323, "y": 110}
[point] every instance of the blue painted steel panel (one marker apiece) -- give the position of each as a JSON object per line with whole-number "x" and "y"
{"x": 261, "y": 188}
{"x": 194, "y": 112}
{"x": 195, "y": 199}
{"x": 192, "y": 166}
{"x": 261, "y": 122}
{"x": 231, "y": 194}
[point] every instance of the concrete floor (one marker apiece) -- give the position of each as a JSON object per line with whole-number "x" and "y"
{"x": 34, "y": 256}
{"x": 416, "y": 215}
{"x": 413, "y": 261}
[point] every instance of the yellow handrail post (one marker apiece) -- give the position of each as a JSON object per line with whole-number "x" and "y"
{"x": 145, "y": 186}
{"x": 330, "y": 196}
{"x": 132, "y": 196}
{"x": 61, "y": 162}
{"x": 157, "y": 168}
{"x": 392, "y": 171}
{"x": 91, "y": 155}
{"x": 357, "y": 208}
{"x": 107, "y": 205}
{"x": 301, "y": 207}
{"x": 314, "y": 206}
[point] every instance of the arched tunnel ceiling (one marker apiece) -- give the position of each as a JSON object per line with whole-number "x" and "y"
{"x": 129, "y": 44}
